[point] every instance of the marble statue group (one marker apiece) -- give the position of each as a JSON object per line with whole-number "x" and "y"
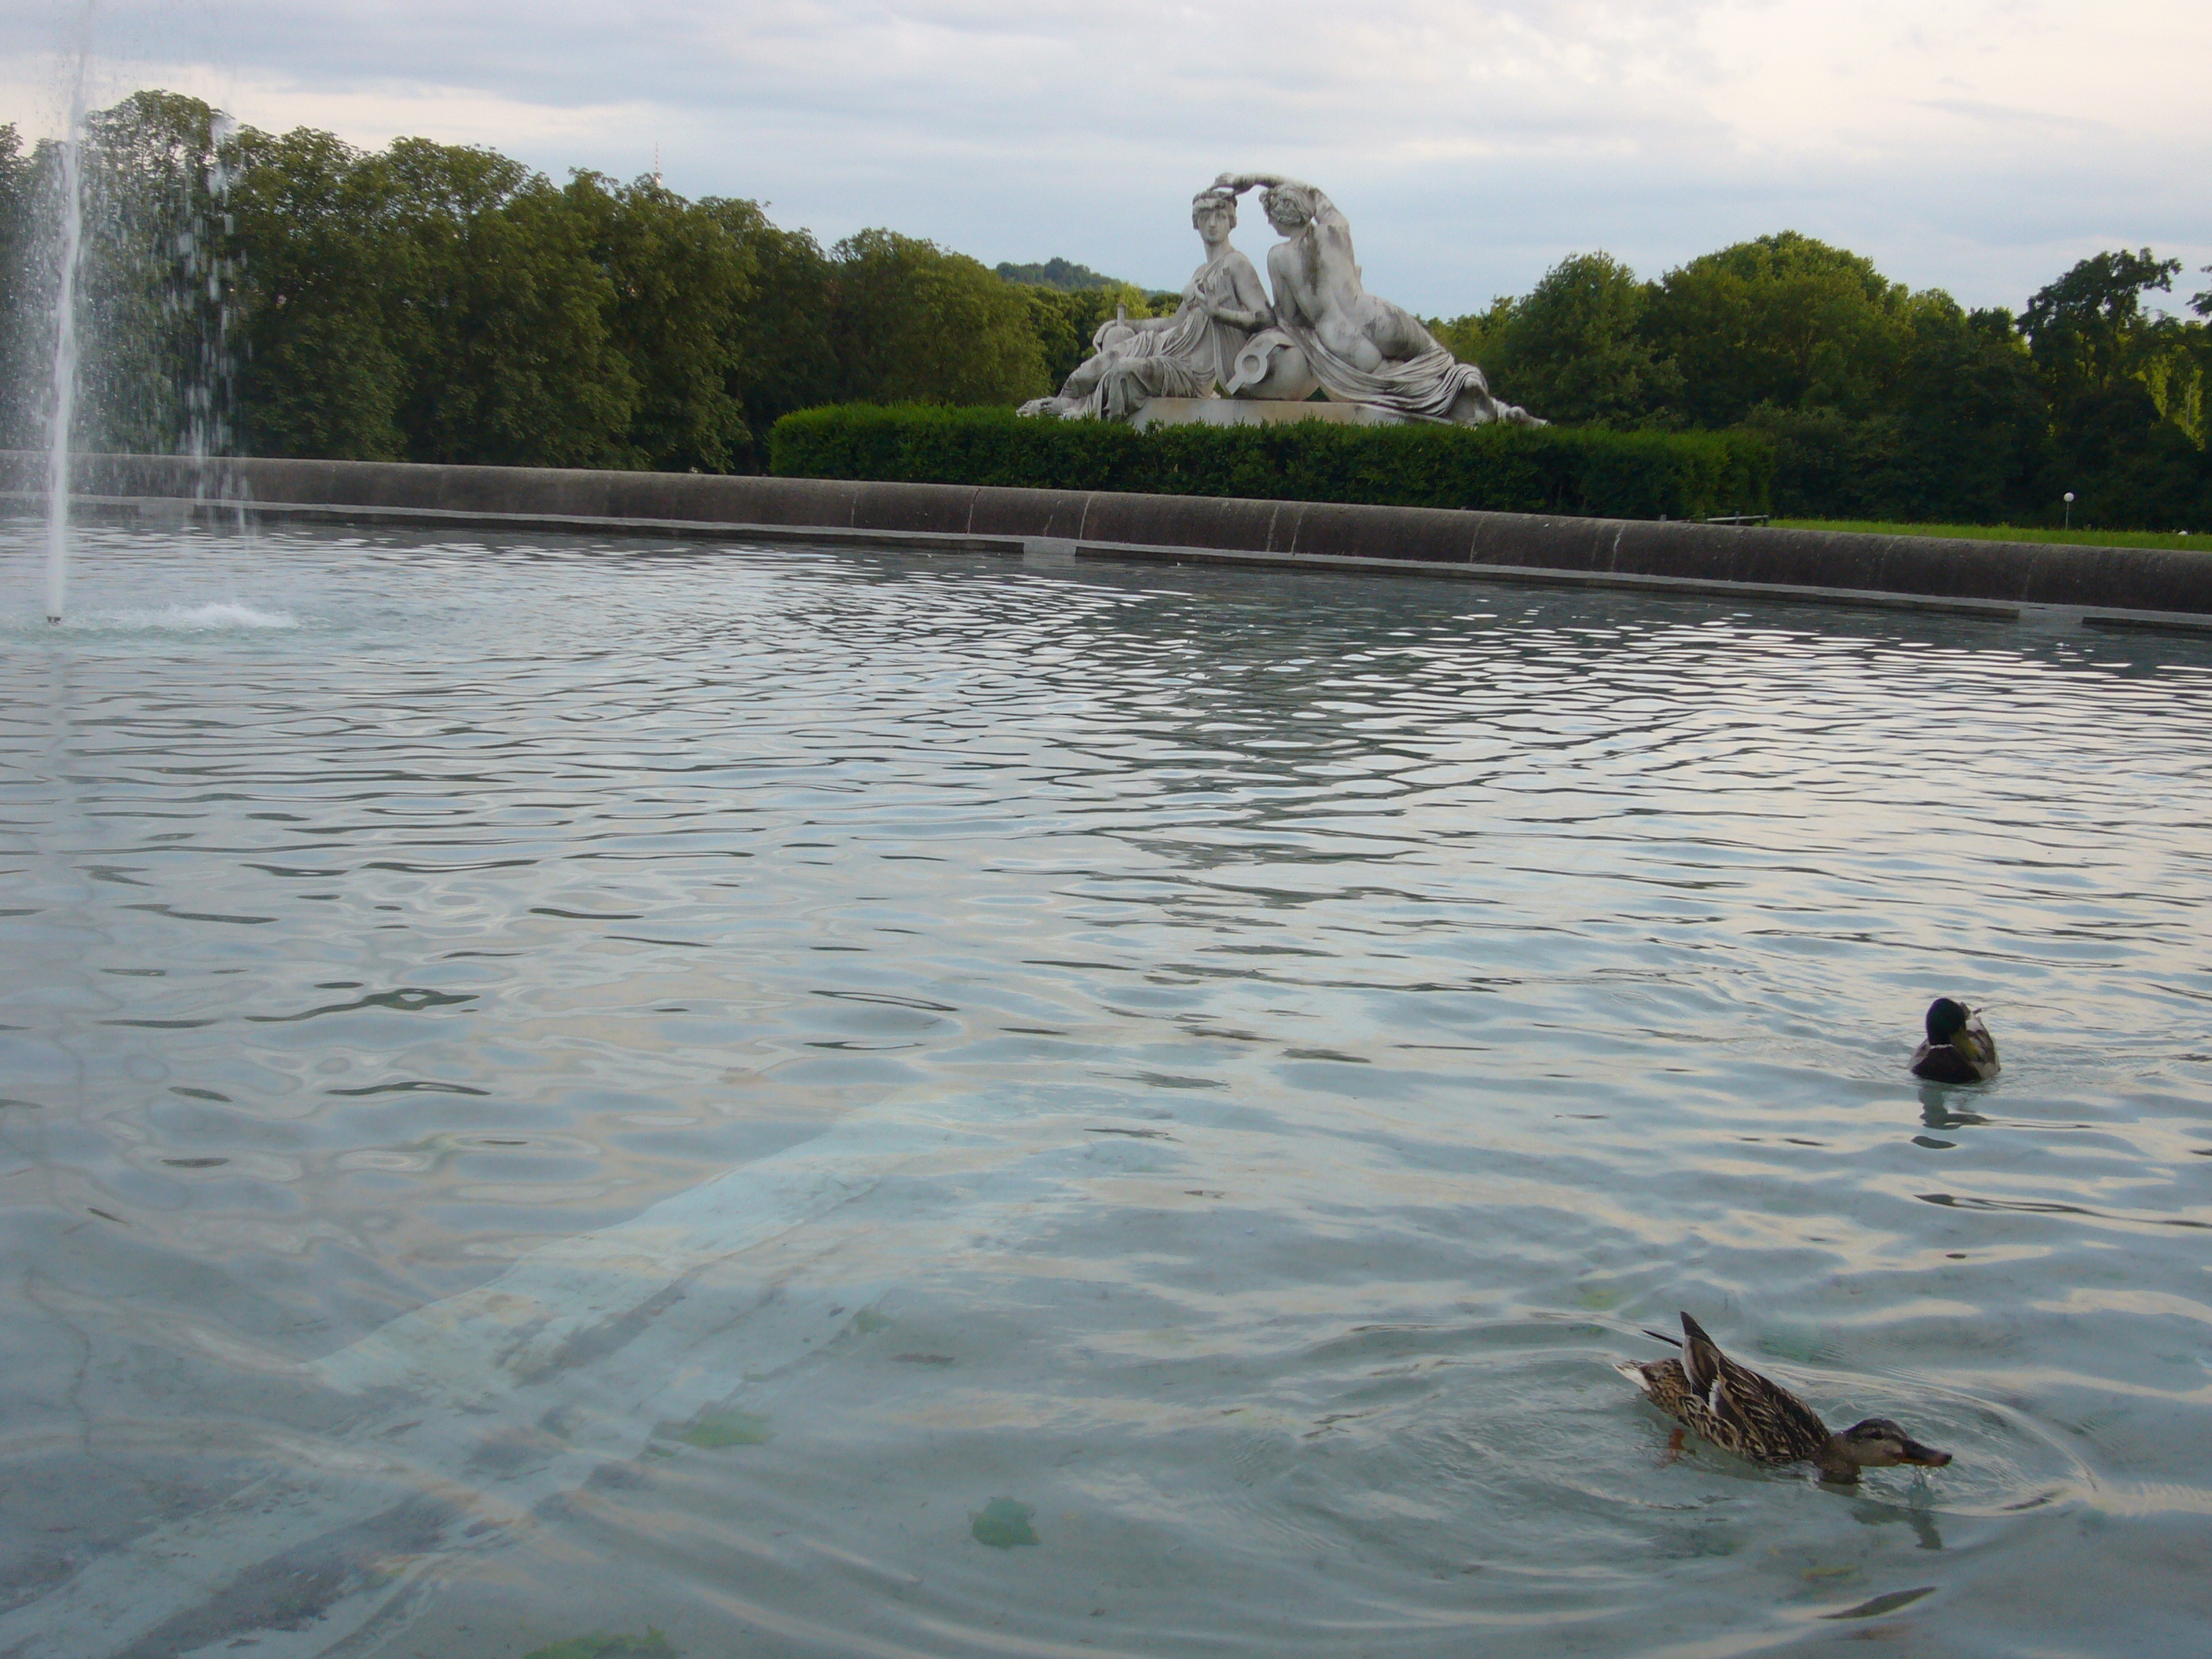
{"x": 1312, "y": 327}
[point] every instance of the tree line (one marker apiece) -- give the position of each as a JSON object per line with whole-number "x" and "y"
{"x": 1882, "y": 402}
{"x": 292, "y": 294}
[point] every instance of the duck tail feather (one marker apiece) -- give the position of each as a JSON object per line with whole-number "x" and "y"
{"x": 1701, "y": 1355}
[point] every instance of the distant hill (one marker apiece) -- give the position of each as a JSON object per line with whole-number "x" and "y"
{"x": 1062, "y": 274}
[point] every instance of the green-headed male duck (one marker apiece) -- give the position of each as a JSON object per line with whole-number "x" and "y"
{"x": 1958, "y": 1048}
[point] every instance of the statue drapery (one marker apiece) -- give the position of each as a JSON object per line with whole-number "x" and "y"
{"x": 1318, "y": 328}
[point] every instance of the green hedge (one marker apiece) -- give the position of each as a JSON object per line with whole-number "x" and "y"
{"x": 1580, "y": 471}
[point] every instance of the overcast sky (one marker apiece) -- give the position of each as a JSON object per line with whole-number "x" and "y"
{"x": 1981, "y": 146}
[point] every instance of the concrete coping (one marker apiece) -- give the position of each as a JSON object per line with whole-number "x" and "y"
{"x": 2048, "y": 585}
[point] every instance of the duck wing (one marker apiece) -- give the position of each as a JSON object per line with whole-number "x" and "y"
{"x": 1979, "y": 1047}
{"x": 1752, "y": 1415}
{"x": 1702, "y": 1358}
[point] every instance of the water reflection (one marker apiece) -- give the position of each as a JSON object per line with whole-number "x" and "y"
{"x": 554, "y": 1089}
{"x": 1917, "y": 1512}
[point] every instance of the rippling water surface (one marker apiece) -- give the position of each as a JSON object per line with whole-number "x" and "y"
{"x": 819, "y": 1103}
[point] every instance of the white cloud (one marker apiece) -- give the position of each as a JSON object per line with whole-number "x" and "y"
{"x": 1983, "y": 147}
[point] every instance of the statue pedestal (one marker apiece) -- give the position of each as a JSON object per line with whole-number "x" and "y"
{"x": 1256, "y": 411}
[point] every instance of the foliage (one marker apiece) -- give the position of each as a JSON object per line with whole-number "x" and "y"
{"x": 786, "y": 357}
{"x": 1064, "y": 321}
{"x": 320, "y": 371}
{"x": 21, "y": 292}
{"x": 1574, "y": 349}
{"x": 1970, "y": 413}
{"x": 293, "y": 295}
{"x": 682, "y": 274}
{"x": 1474, "y": 337}
{"x": 149, "y": 333}
{"x": 148, "y": 328}
{"x": 2126, "y": 392}
{"x": 2087, "y": 326}
{"x": 1880, "y": 402}
{"x": 1062, "y": 274}
{"x": 1783, "y": 320}
{"x": 502, "y": 317}
{"x": 290, "y": 294}
{"x": 914, "y": 324}
{"x": 1508, "y": 468}
{"x": 1961, "y": 439}
{"x": 1003, "y": 1524}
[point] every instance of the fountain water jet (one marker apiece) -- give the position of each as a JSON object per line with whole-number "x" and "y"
{"x": 72, "y": 256}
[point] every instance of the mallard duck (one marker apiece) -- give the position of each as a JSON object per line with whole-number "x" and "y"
{"x": 1754, "y": 1417}
{"x": 1959, "y": 1050}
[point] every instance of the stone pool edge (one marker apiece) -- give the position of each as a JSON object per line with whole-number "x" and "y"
{"x": 2057, "y": 584}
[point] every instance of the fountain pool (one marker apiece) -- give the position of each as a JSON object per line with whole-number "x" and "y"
{"x": 788, "y": 1102}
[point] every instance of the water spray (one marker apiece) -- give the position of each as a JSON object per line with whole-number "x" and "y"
{"x": 72, "y": 255}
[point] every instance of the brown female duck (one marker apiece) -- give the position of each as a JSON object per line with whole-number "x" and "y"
{"x": 1754, "y": 1417}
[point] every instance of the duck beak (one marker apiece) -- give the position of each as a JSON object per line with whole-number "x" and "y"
{"x": 1926, "y": 1458}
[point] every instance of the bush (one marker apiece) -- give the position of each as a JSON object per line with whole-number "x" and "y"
{"x": 1581, "y": 472}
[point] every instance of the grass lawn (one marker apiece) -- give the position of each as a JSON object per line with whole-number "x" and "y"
{"x": 2002, "y": 532}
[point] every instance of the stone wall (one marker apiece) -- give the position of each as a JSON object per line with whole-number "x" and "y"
{"x": 2110, "y": 584}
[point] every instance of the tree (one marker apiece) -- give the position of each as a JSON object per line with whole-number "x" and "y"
{"x": 785, "y": 358}
{"x": 444, "y": 303}
{"x": 2126, "y": 392}
{"x": 501, "y": 316}
{"x": 320, "y": 279}
{"x": 2083, "y": 327}
{"x": 681, "y": 274}
{"x": 153, "y": 364}
{"x": 1782, "y": 320}
{"x": 1473, "y": 339}
{"x": 1064, "y": 319}
{"x": 1572, "y": 350}
{"x": 1972, "y": 415}
{"x": 22, "y": 289}
{"x": 1064, "y": 275}
{"x": 911, "y": 323}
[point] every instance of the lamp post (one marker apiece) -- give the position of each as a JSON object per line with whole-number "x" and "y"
{"x": 2069, "y": 509}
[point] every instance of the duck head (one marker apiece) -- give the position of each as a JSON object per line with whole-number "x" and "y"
{"x": 1945, "y": 1019}
{"x": 1876, "y": 1443}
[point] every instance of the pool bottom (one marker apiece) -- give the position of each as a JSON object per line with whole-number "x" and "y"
{"x": 565, "y": 1087}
